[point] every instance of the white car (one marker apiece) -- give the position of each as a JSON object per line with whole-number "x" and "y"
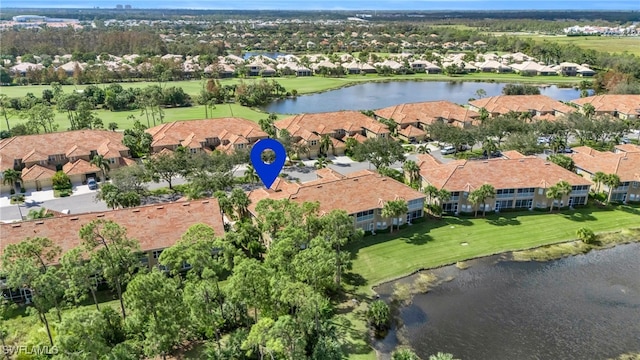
{"x": 448, "y": 150}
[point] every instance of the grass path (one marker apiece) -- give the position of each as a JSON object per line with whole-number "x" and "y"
{"x": 436, "y": 243}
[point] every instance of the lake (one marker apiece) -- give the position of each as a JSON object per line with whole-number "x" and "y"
{"x": 376, "y": 95}
{"x": 582, "y": 307}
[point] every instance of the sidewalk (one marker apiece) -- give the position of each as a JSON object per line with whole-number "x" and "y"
{"x": 44, "y": 195}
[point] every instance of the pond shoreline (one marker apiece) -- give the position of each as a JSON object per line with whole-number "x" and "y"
{"x": 405, "y": 289}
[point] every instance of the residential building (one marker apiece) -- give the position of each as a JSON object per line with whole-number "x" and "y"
{"x": 309, "y": 128}
{"x": 226, "y": 134}
{"x": 539, "y": 106}
{"x": 520, "y": 182}
{"x": 40, "y": 156}
{"x": 625, "y": 164}
{"x": 155, "y": 227}
{"x": 413, "y": 119}
{"x": 361, "y": 194}
{"x": 620, "y": 106}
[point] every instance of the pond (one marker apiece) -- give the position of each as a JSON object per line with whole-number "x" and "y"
{"x": 376, "y": 95}
{"x": 582, "y": 307}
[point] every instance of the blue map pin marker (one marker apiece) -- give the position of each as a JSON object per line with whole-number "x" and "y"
{"x": 268, "y": 172}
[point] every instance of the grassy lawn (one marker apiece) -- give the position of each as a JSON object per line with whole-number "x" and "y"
{"x": 312, "y": 84}
{"x": 609, "y": 44}
{"x": 435, "y": 243}
{"x": 189, "y": 113}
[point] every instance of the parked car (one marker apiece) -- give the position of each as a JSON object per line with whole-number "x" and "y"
{"x": 565, "y": 150}
{"x": 626, "y": 140}
{"x": 93, "y": 185}
{"x": 448, "y": 150}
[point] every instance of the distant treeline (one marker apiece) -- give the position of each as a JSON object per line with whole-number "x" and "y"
{"x": 380, "y": 15}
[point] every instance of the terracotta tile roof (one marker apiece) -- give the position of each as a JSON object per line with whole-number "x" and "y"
{"x": 197, "y": 131}
{"x": 625, "y": 164}
{"x": 359, "y": 137}
{"x": 512, "y": 154}
{"x": 626, "y": 104}
{"x": 502, "y": 173}
{"x": 427, "y": 112}
{"x": 22, "y": 147}
{"x": 502, "y": 104}
{"x": 79, "y": 167}
{"x": 77, "y": 151}
{"x": 411, "y": 131}
{"x": 155, "y": 226}
{"x": 330, "y": 122}
{"x": 359, "y": 191}
{"x": 37, "y": 172}
{"x": 628, "y": 148}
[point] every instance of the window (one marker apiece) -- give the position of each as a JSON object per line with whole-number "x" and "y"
{"x": 240, "y": 146}
{"x": 636, "y": 184}
{"x": 527, "y": 191}
{"x": 313, "y": 143}
{"x": 112, "y": 160}
{"x": 504, "y": 204}
{"x": 156, "y": 254}
{"x": 523, "y": 204}
{"x": 417, "y": 203}
{"x": 193, "y": 150}
{"x": 505, "y": 191}
{"x": 580, "y": 188}
{"x": 364, "y": 215}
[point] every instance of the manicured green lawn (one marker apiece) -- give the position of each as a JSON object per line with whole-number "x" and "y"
{"x": 609, "y": 44}
{"x": 435, "y": 243}
{"x": 311, "y": 84}
{"x": 189, "y": 113}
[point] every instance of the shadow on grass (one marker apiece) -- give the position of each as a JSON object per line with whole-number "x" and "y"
{"x": 579, "y": 217}
{"x": 504, "y": 220}
{"x": 630, "y": 209}
{"x": 354, "y": 279}
{"x": 418, "y": 239}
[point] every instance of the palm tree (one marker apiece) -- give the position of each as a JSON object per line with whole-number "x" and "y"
{"x": 11, "y": 177}
{"x": 423, "y": 149}
{"x": 431, "y": 192}
{"x": 412, "y": 171}
{"x": 394, "y": 209}
{"x": 489, "y": 145}
{"x": 100, "y": 162}
{"x": 599, "y": 178}
{"x": 322, "y": 163}
{"x": 553, "y": 192}
{"x": 250, "y": 174}
{"x": 486, "y": 191}
{"x": 443, "y": 196}
{"x": 612, "y": 181}
{"x": 325, "y": 144}
{"x": 240, "y": 202}
{"x": 350, "y": 144}
{"x": 557, "y": 143}
{"x": 474, "y": 198}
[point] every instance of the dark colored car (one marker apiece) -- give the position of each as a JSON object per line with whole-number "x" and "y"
{"x": 93, "y": 185}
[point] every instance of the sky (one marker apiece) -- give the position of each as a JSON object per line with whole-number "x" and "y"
{"x": 334, "y": 4}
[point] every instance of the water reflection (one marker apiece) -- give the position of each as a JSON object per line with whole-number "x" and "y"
{"x": 377, "y": 95}
{"x": 583, "y": 307}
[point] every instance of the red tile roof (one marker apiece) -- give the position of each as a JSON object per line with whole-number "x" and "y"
{"x": 501, "y": 173}
{"x": 427, "y": 112}
{"x": 626, "y": 104}
{"x": 330, "y": 122}
{"x": 154, "y": 226}
{"x": 194, "y": 132}
{"x": 625, "y": 164}
{"x": 37, "y": 172}
{"x": 412, "y": 131}
{"x": 502, "y": 104}
{"x": 359, "y": 191}
{"x": 79, "y": 167}
{"x": 39, "y": 147}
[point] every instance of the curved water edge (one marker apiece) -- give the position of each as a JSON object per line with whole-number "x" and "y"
{"x": 584, "y": 306}
{"x": 382, "y": 93}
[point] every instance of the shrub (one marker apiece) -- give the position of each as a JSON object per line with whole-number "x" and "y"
{"x": 379, "y": 315}
{"x": 61, "y": 181}
{"x": 404, "y": 354}
{"x": 586, "y": 235}
{"x": 12, "y": 191}
{"x": 23, "y": 190}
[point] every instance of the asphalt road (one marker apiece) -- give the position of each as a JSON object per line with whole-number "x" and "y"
{"x": 87, "y": 202}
